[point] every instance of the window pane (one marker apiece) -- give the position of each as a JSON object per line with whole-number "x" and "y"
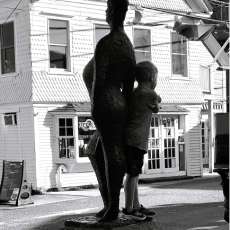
{"x": 8, "y": 60}
{"x": 142, "y": 56}
{"x": 179, "y": 64}
{"x": 142, "y": 44}
{"x": 179, "y": 44}
{"x": 58, "y": 32}
{"x": 58, "y": 57}
{"x": 69, "y": 122}
{"x": 62, "y": 122}
{"x": 100, "y": 32}
{"x": 7, "y": 35}
{"x": 69, "y": 132}
{"x": 62, "y": 132}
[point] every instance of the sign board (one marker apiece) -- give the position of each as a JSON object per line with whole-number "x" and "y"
{"x": 14, "y": 188}
{"x": 86, "y": 129}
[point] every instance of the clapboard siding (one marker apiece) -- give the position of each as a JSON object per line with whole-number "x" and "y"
{"x": 193, "y": 141}
{"x": 78, "y": 179}
{"x": 17, "y": 142}
{"x": 47, "y": 150}
{"x": 44, "y": 153}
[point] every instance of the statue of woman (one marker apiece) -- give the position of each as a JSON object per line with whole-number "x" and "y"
{"x": 113, "y": 79}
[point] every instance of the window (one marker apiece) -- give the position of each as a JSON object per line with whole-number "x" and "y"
{"x": 7, "y": 48}
{"x": 66, "y": 138}
{"x": 142, "y": 44}
{"x": 10, "y": 118}
{"x": 205, "y": 79}
{"x": 100, "y": 32}
{"x": 58, "y": 44}
{"x": 86, "y": 128}
{"x": 179, "y": 55}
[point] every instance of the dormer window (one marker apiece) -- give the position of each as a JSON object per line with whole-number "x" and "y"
{"x": 7, "y": 48}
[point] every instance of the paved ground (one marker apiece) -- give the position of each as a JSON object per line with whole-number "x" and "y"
{"x": 194, "y": 204}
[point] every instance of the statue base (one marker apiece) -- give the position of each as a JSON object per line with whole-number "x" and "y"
{"x": 122, "y": 223}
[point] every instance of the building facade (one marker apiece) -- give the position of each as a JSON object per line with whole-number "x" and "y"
{"x": 44, "y": 106}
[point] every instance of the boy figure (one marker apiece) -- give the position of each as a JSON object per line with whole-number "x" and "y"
{"x": 144, "y": 102}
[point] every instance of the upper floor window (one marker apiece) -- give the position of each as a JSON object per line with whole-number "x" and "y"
{"x": 179, "y": 55}
{"x": 100, "y": 32}
{"x": 205, "y": 79}
{"x": 58, "y": 44}
{"x": 7, "y": 48}
{"x": 142, "y": 44}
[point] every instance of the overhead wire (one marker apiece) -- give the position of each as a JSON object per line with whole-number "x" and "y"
{"x": 14, "y": 9}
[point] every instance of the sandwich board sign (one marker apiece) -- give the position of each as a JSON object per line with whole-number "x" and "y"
{"x": 14, "y": 188}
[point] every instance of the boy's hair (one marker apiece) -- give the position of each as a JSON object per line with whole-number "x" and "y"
{"x": 145, "y": 71}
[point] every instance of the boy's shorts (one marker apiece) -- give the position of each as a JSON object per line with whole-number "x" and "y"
{"x": 134, "y": 160}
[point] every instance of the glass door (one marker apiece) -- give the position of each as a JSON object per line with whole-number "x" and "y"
{"x": 154, "y": 146}
{"x": 162, "y": 146}
{"x": 169, "y": 145}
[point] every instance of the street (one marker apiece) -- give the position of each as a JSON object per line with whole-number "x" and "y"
{"x": 192, "y": 204}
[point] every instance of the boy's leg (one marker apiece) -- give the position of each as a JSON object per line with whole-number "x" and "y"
{"x": 129, "y": 188}
{"x": 136, "y": 203}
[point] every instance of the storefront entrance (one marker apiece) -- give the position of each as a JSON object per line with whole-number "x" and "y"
{"x": 162, "y": 153}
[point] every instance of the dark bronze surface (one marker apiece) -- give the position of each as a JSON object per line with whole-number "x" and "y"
{"x": 110, "y": 70}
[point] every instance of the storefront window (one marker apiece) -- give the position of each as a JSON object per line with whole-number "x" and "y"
{"x": 66, "y": 138}
{"x": 86, "y": 128}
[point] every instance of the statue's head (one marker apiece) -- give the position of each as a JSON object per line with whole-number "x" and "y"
{"x": 116, "y": 11}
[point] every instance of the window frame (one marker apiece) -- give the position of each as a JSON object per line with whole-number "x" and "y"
{"x": 15, "y": 51}
{"x": 14, "y": 118}
{"x": 179, "y": 76}
{"x": 208, "y": 91}
{"x": 143, "y": 28}
{"x": 65, "y": 116}
{"x": 68, "y": 46}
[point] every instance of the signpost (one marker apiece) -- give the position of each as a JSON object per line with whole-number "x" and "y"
{"x": 14, "y": 188}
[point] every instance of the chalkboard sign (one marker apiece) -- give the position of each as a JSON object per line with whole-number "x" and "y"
{"x": 12, "y": 177}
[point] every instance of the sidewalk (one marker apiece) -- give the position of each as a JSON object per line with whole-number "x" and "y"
{"x": 60, "y": 196}
{"x": 53, "y": 197}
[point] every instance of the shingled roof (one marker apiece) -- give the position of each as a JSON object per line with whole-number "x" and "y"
{"x": 170, "y": 5}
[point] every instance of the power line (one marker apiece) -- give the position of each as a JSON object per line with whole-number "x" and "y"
{"x": 19, "y": 2}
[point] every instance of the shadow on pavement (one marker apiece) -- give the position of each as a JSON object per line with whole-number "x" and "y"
{"x": 201, "y": 184}
{"x": 169, "y": 217}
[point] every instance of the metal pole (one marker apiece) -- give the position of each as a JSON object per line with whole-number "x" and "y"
{"x": 227, "y": 90}
{"x": 211, "y": 135}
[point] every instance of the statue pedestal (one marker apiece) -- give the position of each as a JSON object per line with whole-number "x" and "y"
{"x": 90, "y": 222}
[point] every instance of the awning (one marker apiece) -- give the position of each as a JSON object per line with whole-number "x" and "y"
{"x": 86, "y": 107}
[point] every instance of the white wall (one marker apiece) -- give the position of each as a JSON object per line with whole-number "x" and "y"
{"x": 17, "y": 142}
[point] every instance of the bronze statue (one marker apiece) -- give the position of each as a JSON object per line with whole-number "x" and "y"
{"x": 113, "y": 78}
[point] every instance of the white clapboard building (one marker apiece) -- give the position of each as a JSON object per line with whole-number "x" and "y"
{"x": 44, "y": 106}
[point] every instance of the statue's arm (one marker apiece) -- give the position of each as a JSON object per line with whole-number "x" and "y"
{"x": 101, "y": 62}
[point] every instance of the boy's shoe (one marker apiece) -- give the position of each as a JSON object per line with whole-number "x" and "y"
{"x": 134, "y": 215}
{"x": 146, "y": 211}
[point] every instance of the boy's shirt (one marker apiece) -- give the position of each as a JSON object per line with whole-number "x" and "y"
{"x": 139, "y": 117}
